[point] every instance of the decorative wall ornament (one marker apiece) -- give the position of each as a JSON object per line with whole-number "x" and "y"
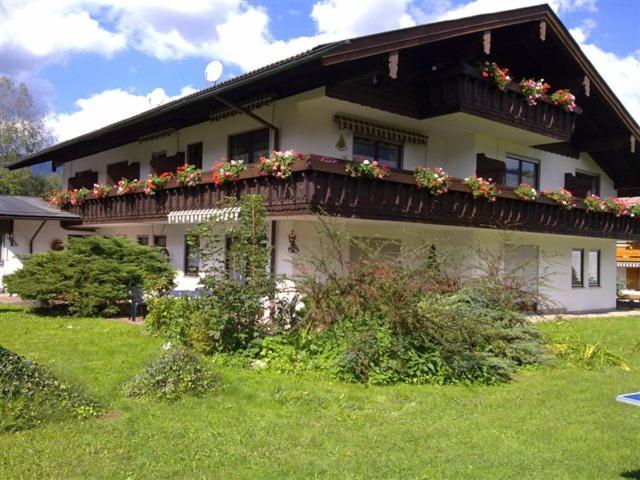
{"x": 293, "y": 246}
{"x": 341, "y": 144}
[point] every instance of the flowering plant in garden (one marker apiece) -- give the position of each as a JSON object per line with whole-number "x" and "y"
{"x": 366, "y": 168}
{"x": 594, "y": 203}
{"x": 482, "y": 188}
{"x": 59, "y": 198}
{"x": 125, "y": 186}
{"x": 561, "y": 197}
{"x": 526, "y": 192}
{"x": 533, "y": 90}
{"x": 101, "y": 191}
{"x": 78, "y": 196}
{"x": 617, "y": 206}
{"x": 435, "y": 181}
{"x": 565, "y": 99}
{"x": 499, "y": 76}
{"x": 278, "y": 164}
{"x": 188, "y": 175}
{"x": 154, "y": 182}
{"x": 225, "y": 172}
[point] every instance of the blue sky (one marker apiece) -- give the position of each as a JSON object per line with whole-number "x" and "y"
{"x": 92, "y": 63}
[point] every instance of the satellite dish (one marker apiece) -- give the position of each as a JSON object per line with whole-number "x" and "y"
{"x": 213, "y": 72}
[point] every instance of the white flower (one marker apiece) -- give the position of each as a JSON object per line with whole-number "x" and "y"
{"x": 365, "y": 162}
{"x": 233, "y": 163}
{"x": 299, "y": 306}
{"x": 167, "y": 345}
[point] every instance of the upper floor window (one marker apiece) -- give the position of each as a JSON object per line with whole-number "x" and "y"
{"x": 522, "y": 171}
{"x": 386, "y": 153}
{"x": 591, "y": 182}
{"x": 249, "y": 146}
{"x": 194, "y": 154}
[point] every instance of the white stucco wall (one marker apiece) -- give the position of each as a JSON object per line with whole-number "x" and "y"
{"x": 306, "y": 124}
{"x": 23, "y": 232}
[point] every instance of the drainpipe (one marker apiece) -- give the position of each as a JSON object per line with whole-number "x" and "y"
{"x": 250, "y": 114}
{"x": 35, "y": 235}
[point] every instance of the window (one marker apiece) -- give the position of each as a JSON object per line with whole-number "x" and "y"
{"x": 191, "y": 256}
{"x": 364, "y": 247}
{"x": 591, "y": 180}
{"x": 594, "y": 268}
{"x": 577, "y": 264}
{"x": 160, "y": 241}
{"x": 249, "y": 146}
{"x": 522, "y": 171}
{"x": 389, "y": 154}
{"x": 194, "y": 154}
{"x": 143, "y": 239}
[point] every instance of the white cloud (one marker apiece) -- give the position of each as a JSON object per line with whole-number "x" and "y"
{"x": 105, "y": 108}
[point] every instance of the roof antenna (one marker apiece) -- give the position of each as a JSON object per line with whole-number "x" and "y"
{"x": 213, "y": 71}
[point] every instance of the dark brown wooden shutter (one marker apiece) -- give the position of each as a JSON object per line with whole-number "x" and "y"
{"x": 84, "y": 179}
{"x": 162, "y": 164}
{"x": 580, "y": 187}
{"x": 491, "y": 168}
{"x": 116, "y": 171}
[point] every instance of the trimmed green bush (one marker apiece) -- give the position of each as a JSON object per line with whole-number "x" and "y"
{"x": 92, "y": 275}
{"x": 177, "y": 372}
{"x": 31, "y": 395}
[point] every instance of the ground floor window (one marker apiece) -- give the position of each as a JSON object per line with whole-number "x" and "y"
{"x": 577, "y": 264}
{"x": 362, "y": 248}
{"x": 143, "y": 239}
{"x": 594, "y": 268}
{"x": 191, "y": 255}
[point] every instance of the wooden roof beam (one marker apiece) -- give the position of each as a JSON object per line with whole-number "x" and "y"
{"x": 602, "y": 144}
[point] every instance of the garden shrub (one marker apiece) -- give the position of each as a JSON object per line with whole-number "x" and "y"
{"x": 30, "y": 395}
{"x": 92, "y": 275}
{"x": 177, "y": 372}
{"x": 588, "y": 355}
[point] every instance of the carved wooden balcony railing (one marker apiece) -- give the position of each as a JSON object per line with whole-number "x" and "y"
{"x": 462, "y": 89}
{"x": 321, "y": 184}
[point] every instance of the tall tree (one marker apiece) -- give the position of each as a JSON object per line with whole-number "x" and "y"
{"x": 22, "y": 131}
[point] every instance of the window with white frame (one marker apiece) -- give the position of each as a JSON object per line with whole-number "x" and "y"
{"x": 385, "y": 153}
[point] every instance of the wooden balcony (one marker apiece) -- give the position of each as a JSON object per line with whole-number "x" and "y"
{"x": 321, "y": 184}
{"x": 459, "y": 89}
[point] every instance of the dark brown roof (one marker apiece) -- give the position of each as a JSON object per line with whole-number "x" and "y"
{"x": 31, "y": 208}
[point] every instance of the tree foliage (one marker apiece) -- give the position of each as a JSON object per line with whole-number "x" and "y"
{"x": 22, "y": 131}
{"x": 92, "y": 275}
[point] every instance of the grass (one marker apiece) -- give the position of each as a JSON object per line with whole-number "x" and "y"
{"x": 559, "y": 422}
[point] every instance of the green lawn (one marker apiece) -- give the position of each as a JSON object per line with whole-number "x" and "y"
{"x": 551, "y": 423}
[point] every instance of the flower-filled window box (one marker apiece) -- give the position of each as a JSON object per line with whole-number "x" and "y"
{"x": 533, "y": 90}
{"x": 227, "y": 171}
{"x": 188, "y": 175}
{"x": 482, "y": 188}
{"x": 435, "y": 181}
{"x": 617, "y": 206}
{"x": 593, "y": 203}
{"x": 526, "y": 192}
{"x": 155, "y": 182}
{"x": 366, "y": 169}
{"x": 498, "y": 75}
{"x": 278, "y": 164}
{"x": 561, "y": 197}
{"x": 101, "y": 191}
{"x": 564, "y": 99}
{"x": 126, "y": 186}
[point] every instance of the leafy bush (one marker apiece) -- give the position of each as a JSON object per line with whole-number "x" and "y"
{"x": 92, "y": 275}
{"x": 30, "y": 395}
{"x": 177, "y": 372}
